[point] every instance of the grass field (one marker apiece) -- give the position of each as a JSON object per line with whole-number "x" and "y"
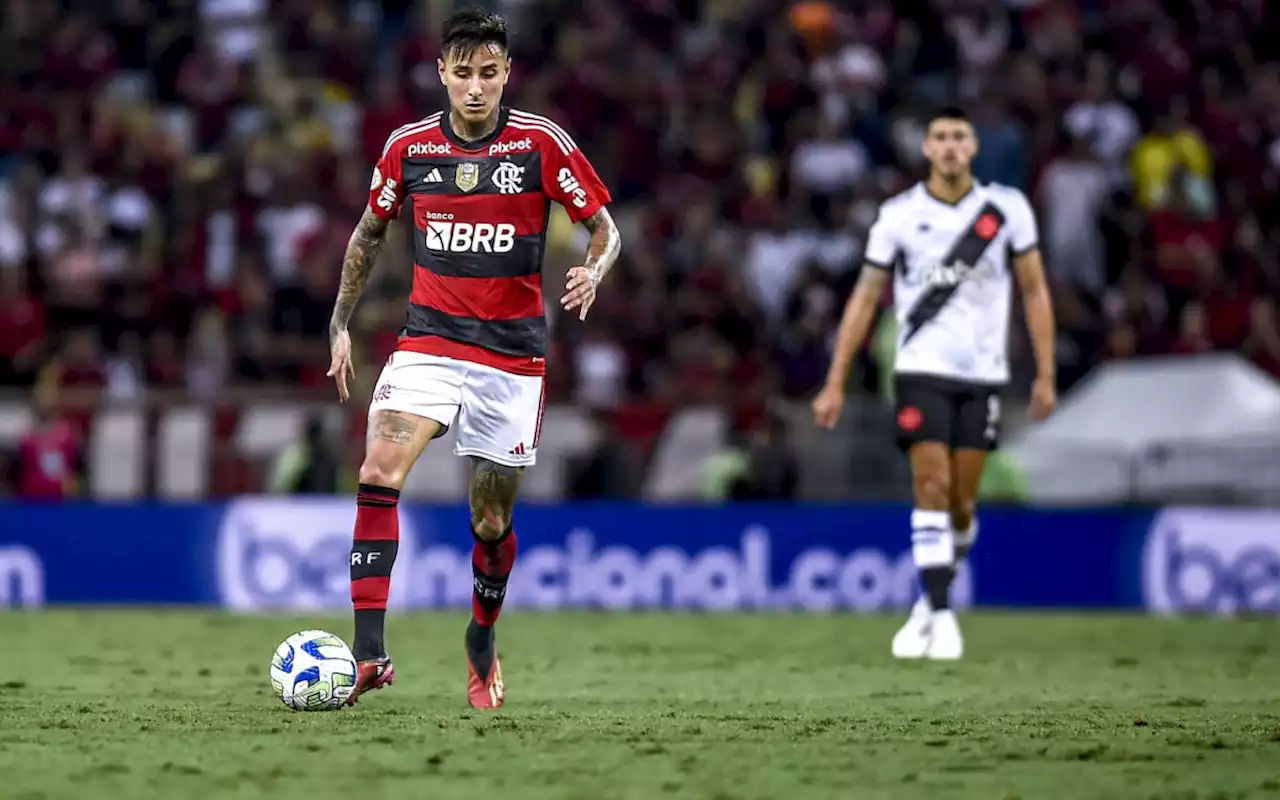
{"x": 131, "y": 705}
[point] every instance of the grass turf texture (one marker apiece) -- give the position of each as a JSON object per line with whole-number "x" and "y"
{"x": 178, "y": 704}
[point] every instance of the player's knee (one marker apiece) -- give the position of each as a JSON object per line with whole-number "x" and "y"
{"x": 378, "y": 472}
{"x": 932, "y": 489}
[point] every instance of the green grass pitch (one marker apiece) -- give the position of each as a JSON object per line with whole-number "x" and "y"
{"x": 147, "y": 704}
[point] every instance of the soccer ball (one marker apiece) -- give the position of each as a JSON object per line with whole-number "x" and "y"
{"x": 313, "y": 671}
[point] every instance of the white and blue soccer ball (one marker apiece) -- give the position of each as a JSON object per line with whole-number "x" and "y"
{"x": 313, "y": 671}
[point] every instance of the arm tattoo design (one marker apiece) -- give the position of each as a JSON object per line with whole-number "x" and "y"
{"x": 493, "y": 492}
{"x": 606, "y": 243}
{"x": 392, "y": 427}
{"x": 362, "y": 251}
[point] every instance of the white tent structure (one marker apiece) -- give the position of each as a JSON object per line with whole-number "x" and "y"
{"x": 1159, "y": 430}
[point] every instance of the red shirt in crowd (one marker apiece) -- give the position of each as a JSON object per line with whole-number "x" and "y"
{"x": 48, "y": 462}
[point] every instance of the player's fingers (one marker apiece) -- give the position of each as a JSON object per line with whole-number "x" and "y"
{"x": 574, "y": 298}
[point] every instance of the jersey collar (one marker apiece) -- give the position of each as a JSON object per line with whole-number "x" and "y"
{"x": 446, "y": 126}
{"x": 924, "y": 187}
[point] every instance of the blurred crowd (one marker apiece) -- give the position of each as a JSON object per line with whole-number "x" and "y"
{"x": 178, "y": 179}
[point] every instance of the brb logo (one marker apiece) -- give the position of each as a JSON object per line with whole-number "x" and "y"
{"x": 1213, "y": 561}
{"x": 295, "y": 554}
{"x": 466, "y": 237}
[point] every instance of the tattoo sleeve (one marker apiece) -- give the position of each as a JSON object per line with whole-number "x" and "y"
{"x": 362, "y": 252}
{"x": 606, "y": 243}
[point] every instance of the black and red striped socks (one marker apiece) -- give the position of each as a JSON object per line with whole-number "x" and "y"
{"x": 373, "y": 554}
{"x": 491, "y": 563}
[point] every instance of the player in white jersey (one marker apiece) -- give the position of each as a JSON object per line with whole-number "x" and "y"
{"x": 952, "y": 247}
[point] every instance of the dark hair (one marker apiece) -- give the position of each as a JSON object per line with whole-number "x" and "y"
{"x": 470, "y": 29}
{"x": 949, "y": 113}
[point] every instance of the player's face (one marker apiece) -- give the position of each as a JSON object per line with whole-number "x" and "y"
{"x": 475, "y": 81}
{"x": 950, "y": 146}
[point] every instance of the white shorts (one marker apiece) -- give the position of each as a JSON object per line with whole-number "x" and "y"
{"x": 499, "y": 414}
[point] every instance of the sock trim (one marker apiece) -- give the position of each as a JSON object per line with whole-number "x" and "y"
{"x": 368, "y": 494}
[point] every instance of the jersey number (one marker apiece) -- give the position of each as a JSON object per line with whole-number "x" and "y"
{"x": 993, "y": 417}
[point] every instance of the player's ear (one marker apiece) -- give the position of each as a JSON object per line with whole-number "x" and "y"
{"x": 506, "y": 72}
{"x": 440, "y": 69}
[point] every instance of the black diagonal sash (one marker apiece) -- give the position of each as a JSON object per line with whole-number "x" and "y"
{"x": 968, "y": 249}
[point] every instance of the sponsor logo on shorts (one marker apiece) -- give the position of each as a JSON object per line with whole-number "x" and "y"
{"x": 910, "y": 419}
{"x": 1213, "y": 561}
{"x": 383, "y": 392}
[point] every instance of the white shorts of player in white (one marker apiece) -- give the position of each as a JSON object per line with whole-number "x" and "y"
{"x": 498, "y": 414}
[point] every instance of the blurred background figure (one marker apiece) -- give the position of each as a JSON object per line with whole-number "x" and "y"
{"x": 309, "y": 465}
{"x": 48, "y": 465}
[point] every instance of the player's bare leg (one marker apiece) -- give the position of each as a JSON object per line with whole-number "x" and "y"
{"x": 493, "y": 496}
{"x": 395, "y": 441}
{"x": 967, "y": 464}
{"x": 931, "y": 630}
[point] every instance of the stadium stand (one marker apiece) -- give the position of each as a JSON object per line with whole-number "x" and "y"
{"x": 178, "y": 180}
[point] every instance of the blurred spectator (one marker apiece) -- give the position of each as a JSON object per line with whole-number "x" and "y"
{"x": 49, "y": 464}
{"x": 308, "y": 466}
{"x": 1172, "y": 153}
{"x": 1072, "y": 190}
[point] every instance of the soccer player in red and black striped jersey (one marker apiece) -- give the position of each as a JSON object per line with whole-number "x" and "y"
{"x": 475, "y": 182}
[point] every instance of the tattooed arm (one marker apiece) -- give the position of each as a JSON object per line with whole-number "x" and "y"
{"x": 362, "y": 252}
{"x": 602, "y": 252}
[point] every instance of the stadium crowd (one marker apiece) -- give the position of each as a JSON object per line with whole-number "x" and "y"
{"x": 178, "y": 179}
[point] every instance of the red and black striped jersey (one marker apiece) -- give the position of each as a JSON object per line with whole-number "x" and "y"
{"x": 479, "y": 212}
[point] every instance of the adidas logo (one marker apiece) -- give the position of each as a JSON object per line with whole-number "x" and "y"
{"x": 518, "y": 450}
{"x": 433, "y": 176}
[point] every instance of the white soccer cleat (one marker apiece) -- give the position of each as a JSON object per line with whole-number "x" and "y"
{"x": 912, "y": 639}
{"x": 945, "y": 641}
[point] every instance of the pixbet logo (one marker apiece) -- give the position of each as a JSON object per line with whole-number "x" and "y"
{"x": 21, "y": 577}
{"x": 503, "y": 148}
{"x": 570, "y": 186}
{"x": 428, "y": 149}
{"x": 467, "y": 237}
{"x": 1213, "y": 561}
{"x": 290, "y": 554}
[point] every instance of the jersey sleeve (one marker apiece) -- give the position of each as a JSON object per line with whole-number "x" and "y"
{"x": 1024, "y": 236}
{"x": 882, "y": 243}
{"x": 386, "y": 189}
{"x": 570, "y": 180}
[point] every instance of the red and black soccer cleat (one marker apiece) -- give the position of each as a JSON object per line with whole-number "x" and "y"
{"x": 370, "y": 675}
{"x": 484, "y": 686}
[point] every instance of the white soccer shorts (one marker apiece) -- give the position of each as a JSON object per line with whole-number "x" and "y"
{"x": 498, "y": 414}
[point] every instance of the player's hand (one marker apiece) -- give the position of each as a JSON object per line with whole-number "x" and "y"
{"x": 827, "y": 406}
{"x": 579, "y": 290}
{"x": 340, "y": 367}
{"x": 1044, "y": 397}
